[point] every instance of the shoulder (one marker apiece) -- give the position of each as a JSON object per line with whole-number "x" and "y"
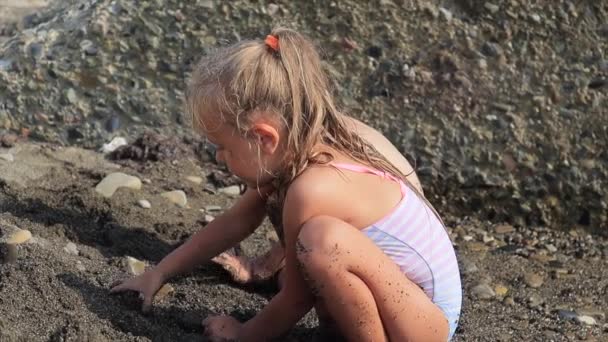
{"x": 315, "y": 192}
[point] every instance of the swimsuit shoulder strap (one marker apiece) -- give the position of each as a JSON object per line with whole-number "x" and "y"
{"x": 366, "y": 169}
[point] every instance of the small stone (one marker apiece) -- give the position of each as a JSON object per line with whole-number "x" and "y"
{"x": 80, "y": 266}
{"x": 19, "y": 236}
{"x": 163, "y": 292}
{"x": 195, "y": 179}
{"x": 113, "y": 145}
{"x": 88, "y": 47}
{"x": 212, "y": 208}
{"x": 501, "y": 290}
{"x": 491, "y": 49}
{"x": 116, "y": 180}
{"x": 492, "y": 8}
{"x": 509, "y": 301}
{"x": 446, "y": 14}
{"x": 177, "y": 197}
{"x": 551, "y": 248}
{"x": 233, "y": 190}
{"x": 272, "y": 236}
{"x": 483, "y": 291}
{"x": 71, "y": 248}
{"x": 144, "y": 204}
{"x": 272, "y": 9}
{"x": 535, "y": 17}
{"x": 587, "y": 320}
{"x": 135, "y": 267}
{"x": 534, "y": 301}
{"x": 209, "y": 218}
{"x": 469, "y": 267}
{"x": 8, "y": 140}
{"x": 7, "y": 157}
{"x": 70, "y": 94}
{"x": 504, "y": 229}
{"x": 566, "y": 315}
{"x": 533, "y": 280}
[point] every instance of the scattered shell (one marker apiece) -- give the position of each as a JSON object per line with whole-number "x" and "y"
{"x": 116, "y": 180}
{"x": 501, "y": 290}
{"x": 212, "y": 208}
{"x": 209, "y": 218}
{"x": 177, "y": 197}
{"x": 483, "y": 291}
{"x": 135, "y": 267}
{"x": 504, "y": 229}
{"x": 588, "y": 320}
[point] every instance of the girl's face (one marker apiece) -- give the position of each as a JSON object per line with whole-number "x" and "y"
{"x": 254, "y": 158}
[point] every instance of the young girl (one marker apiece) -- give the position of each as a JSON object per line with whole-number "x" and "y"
{"x": 361, "y": 244}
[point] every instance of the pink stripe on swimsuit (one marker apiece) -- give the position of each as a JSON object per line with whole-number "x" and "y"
{"x": 416, "y": 240}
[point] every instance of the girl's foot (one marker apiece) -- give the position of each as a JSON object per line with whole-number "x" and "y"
{"x": 244, "y": 270}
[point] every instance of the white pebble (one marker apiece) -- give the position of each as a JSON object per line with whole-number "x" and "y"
{"x": 116, "y": 180}
{"x": 144, "y": 204}
{"x": 71, "y": 248}
{"x": 588, "y": 320}
{"x": 209, "y": 218}
{"x": 7, "y": 157}
{"x": 177, "y": 197}
{"x": 80, "y": 266}
{"x": 233, "y": 190}
{"x": 194, "y": 179}
{"x": 113, "y": 145}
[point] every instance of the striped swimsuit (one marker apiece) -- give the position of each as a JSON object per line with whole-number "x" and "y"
{"x": 416, "y": 240}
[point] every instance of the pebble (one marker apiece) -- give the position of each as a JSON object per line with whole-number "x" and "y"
{"x": 116, "y": 180}
{"x": 501, "y": 290}
{"x": 446, "y": 14}
{"x": 113, "y": 145}
{"x": 209, "y": 218}
{"x": 163, "y": 292}
{"x": 533, "y": 280}
{"x": 7, "y": 157}
{"x": 18, "y": 237}
{"x": 8, "y": 140}
{"x": 144, "y": 204}
{"x": 492, "y": 8}
{"x": 567, "y": 315}
{"x": 483, "y": 291}
{"x": 469, "y": 267}
{"x": 80, "y": 266}
{"x": 534, "y": 301}
{"x": 587, "y": 320}
{"x": 195, "y": 179}
{"x": 212, "y": 208}
{"x": 233, "y": 190}
{"x": 177, "y": 197}
{"x": 71, "y": 248}
{"x": 135, "y": 267}
{"x": 504, "y": 229}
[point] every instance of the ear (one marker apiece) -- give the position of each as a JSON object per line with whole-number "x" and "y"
{"x": 267, "y": 136}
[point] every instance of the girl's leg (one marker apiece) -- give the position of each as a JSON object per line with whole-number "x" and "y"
{"x": 364, "y": 290}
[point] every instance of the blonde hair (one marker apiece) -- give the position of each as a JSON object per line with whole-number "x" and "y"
{"x": 290, "y": 83}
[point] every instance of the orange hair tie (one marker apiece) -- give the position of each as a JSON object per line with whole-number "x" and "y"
{"x": 272, "y": 42}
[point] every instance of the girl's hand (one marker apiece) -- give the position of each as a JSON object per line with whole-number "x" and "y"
{"x": 147, "y": 284}
{"x": 222, "y": 328}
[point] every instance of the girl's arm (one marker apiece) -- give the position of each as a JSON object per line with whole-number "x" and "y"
{"x": 295, "y": 299}
{"x": 225, "y": 231}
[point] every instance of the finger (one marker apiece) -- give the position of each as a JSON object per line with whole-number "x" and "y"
{"x": 119, "y": 288}
{"x": 146, "y": 306}
{"x": 116, "y": 282}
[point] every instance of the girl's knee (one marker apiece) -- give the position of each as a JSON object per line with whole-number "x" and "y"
{"x": 320, "y": 235}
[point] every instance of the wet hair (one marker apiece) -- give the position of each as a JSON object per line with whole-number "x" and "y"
{"x": 288, "y": 84}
